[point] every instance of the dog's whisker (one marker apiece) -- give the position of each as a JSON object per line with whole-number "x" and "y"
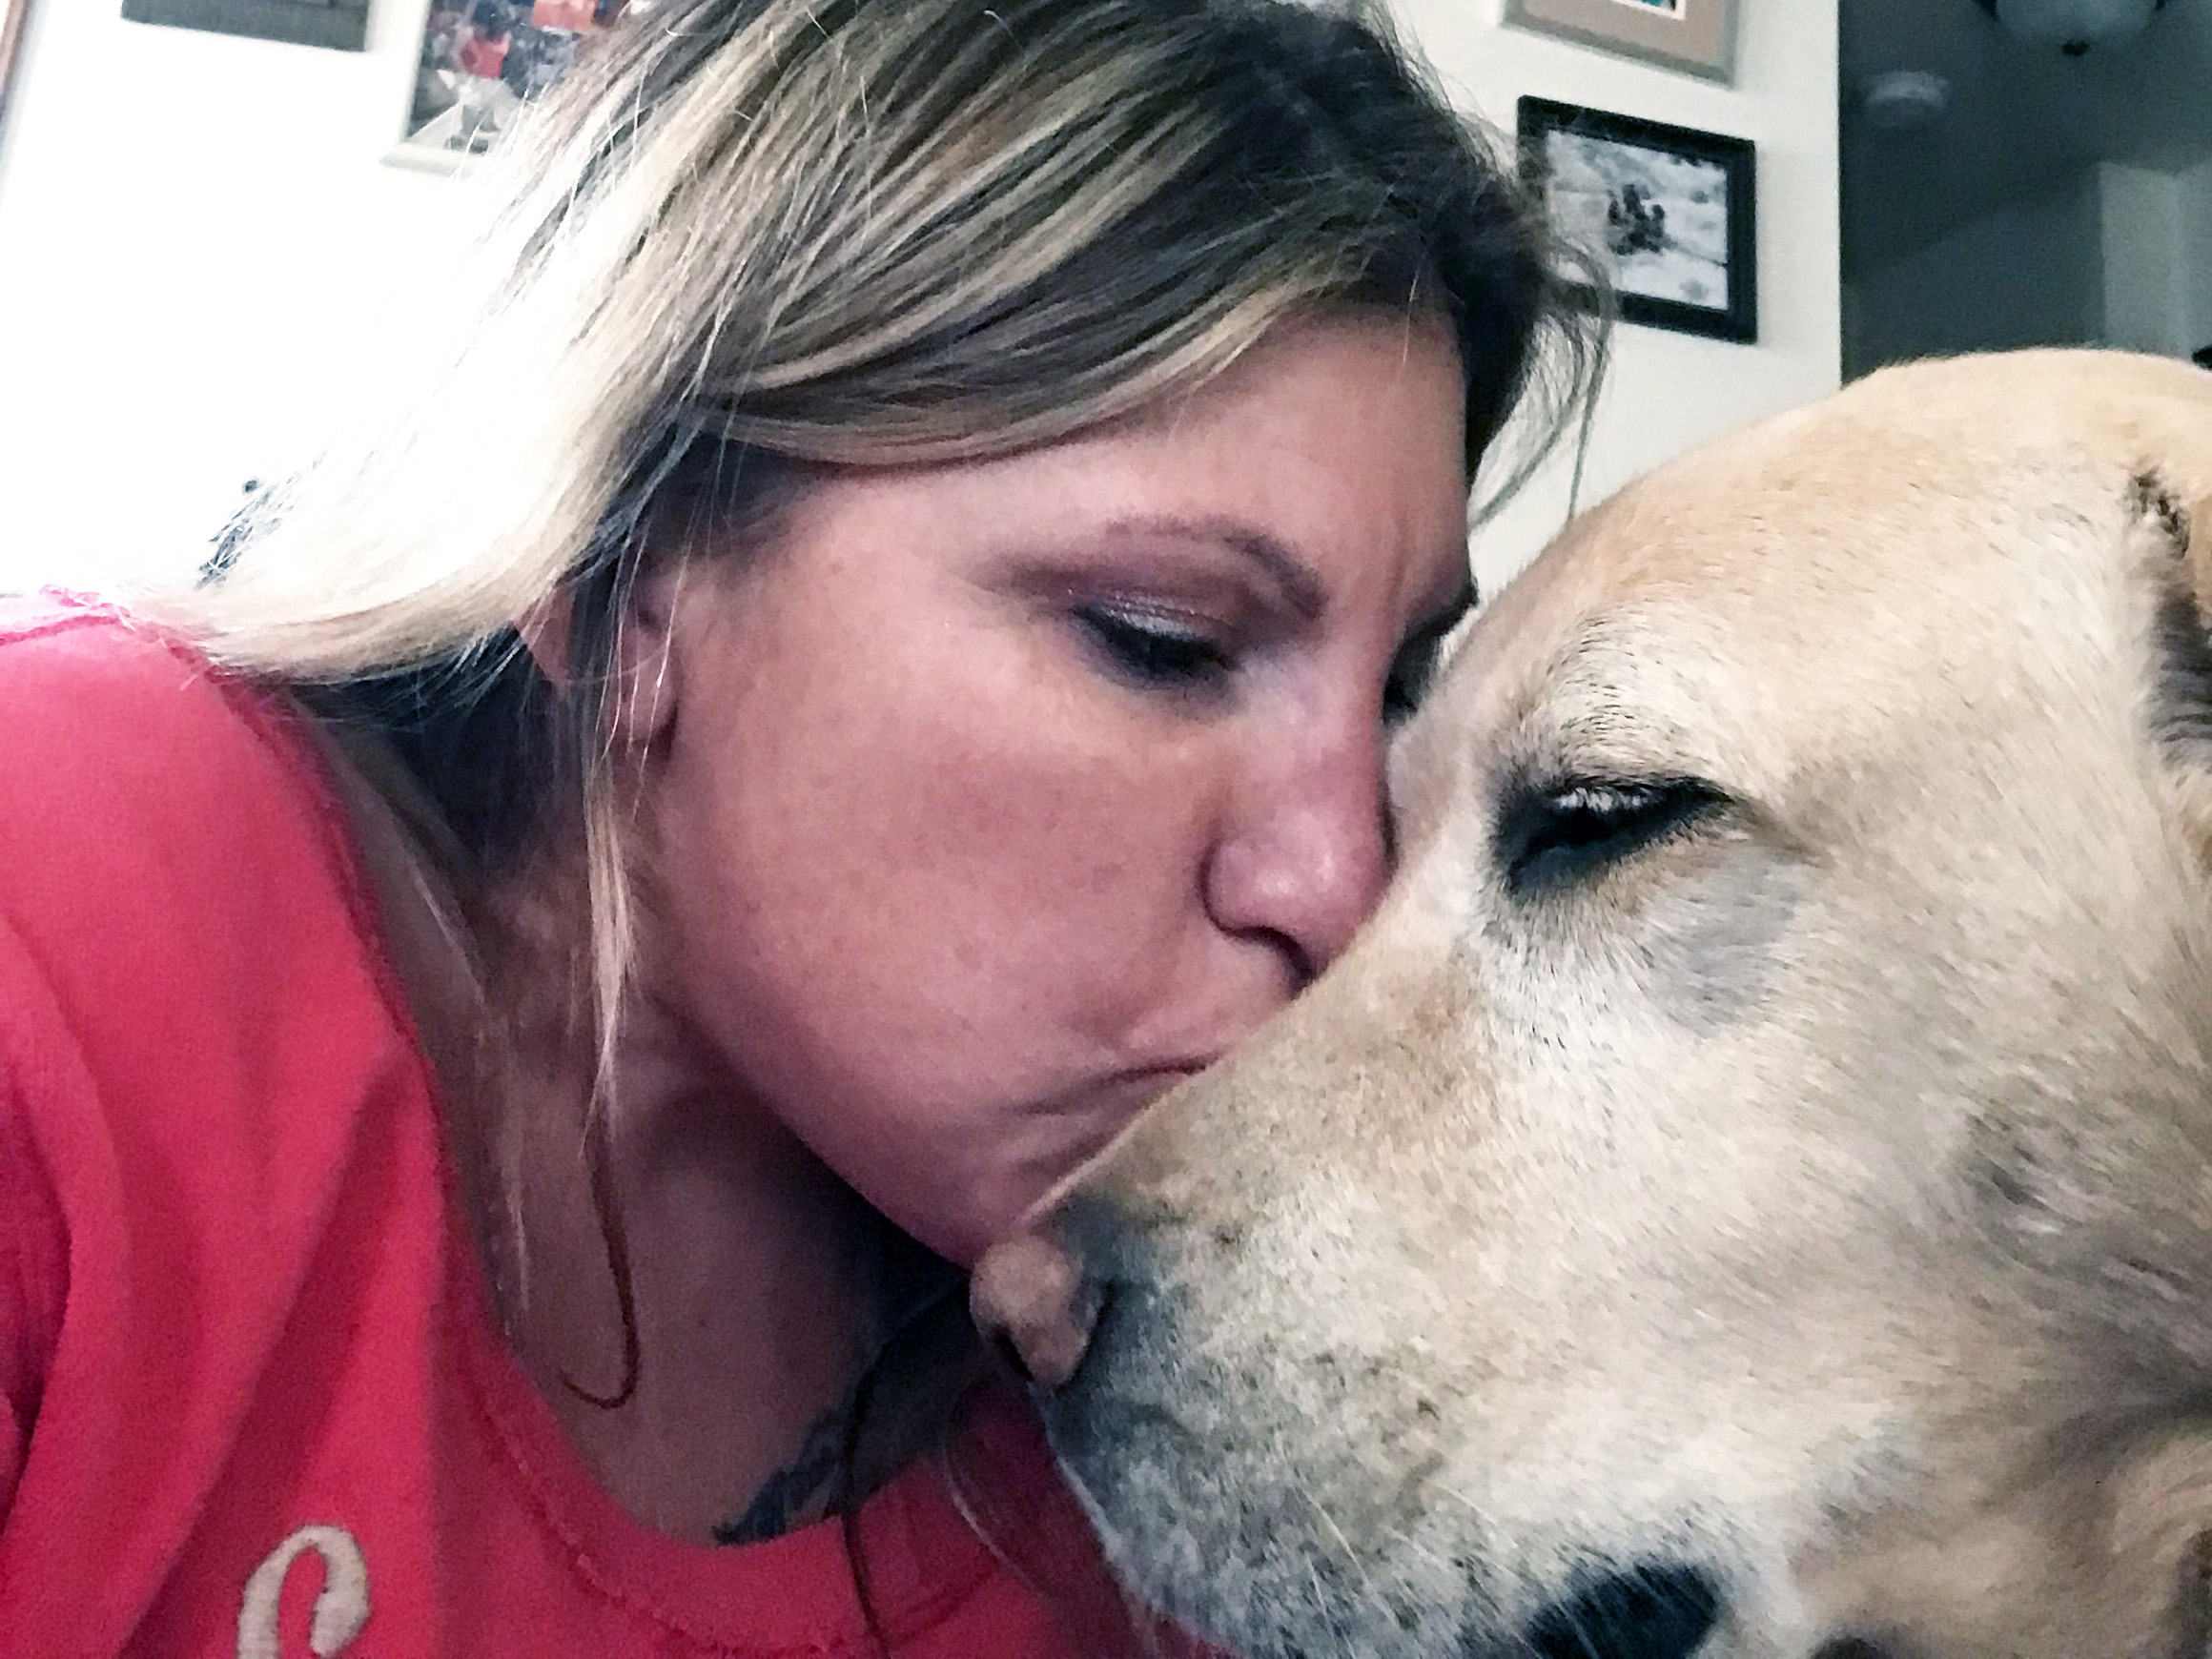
{"x": 1343, "y": 1543}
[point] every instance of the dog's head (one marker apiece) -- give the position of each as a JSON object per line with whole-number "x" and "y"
{"x": 1749, "y": 1191}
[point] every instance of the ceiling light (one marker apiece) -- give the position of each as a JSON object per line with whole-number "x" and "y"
{"x": 1904, "y": 101}
{"x": 2073, "y": 25}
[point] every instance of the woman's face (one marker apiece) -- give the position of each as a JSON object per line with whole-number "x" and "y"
{"x": 987, "y": 801}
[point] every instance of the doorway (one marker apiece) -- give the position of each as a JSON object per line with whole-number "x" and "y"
{"x": 1996, "y": 193}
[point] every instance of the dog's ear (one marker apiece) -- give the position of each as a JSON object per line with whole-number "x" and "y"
{"x": 2178, "y": 555}
{"x": 2181, "y": 523}
{"x": 2166, "y": 504}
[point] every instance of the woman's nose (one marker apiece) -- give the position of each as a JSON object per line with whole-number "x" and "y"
{"x": 1306, "y": 859}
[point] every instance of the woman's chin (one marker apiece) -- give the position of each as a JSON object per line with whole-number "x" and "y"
{"x": 958, "y": 1198}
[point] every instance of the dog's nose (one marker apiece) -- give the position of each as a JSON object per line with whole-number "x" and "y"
{"x": 1031, "y": 1300}
{"x": 1658, "y": 1610}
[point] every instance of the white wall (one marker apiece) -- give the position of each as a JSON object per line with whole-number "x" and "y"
{"x": 2030, "y": 272}
{"x": 1669, "y": 392}
{"x": 189, "y": 224}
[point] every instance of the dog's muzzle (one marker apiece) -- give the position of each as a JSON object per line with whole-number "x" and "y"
{"x": 1035, "y": 1302}
{"x": 1036, "y": 1306}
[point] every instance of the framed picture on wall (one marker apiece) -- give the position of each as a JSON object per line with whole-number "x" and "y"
{"x": 481, "y": 62}
{"x": 1698, "y": 37}
{"x": 341, "y": 23}
{"x": 1666, "y": 213}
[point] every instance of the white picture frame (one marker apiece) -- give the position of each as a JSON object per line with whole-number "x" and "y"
{"x": 1696, "y": 37}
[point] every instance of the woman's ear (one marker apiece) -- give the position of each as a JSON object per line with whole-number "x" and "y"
{"x": 545, "y": 631}
{"x": 642, "y": 704}
{"x": 641, "y": 707}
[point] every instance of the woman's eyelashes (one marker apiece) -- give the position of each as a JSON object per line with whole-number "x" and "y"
{"x": 1155, "y": 652}
{"x": 1152, "y": 652}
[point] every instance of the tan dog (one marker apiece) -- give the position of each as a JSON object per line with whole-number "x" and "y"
{"x": 1749, "y": 1191}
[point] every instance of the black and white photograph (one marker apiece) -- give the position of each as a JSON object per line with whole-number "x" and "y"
{"x": 1665, "y": 211}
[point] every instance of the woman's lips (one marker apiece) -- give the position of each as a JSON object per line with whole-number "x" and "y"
{"x": 1148, "y": 1083}
{"x": 1094, "y": 1114}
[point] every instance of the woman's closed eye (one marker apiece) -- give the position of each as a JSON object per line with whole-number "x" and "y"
{"x": 1155, "y": 651}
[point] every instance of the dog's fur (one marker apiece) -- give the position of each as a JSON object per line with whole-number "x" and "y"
{"x": 1802, "y": 1173}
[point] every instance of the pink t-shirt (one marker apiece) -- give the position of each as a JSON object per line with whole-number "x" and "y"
{"x": 481, "y": 56}
{"x": 256, "y": 1402}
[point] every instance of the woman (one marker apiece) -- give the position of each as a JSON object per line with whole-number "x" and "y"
{"x": 521, "y": 995}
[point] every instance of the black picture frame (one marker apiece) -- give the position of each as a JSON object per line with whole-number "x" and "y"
{"x": 342, "y": 25}
{"x": 1608, "y": 179}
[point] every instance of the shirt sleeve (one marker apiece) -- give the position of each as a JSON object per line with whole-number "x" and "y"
{"x": 33, "y": 1280}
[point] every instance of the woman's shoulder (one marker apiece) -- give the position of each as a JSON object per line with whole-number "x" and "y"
{"x": 181, "y": 922}
{"x": 222, "y": 1200}
{"x": 100, "y": 705}
{"x": 139, "y": 781}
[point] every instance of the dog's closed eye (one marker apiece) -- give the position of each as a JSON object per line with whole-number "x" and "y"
{"x": 1553, "y": 835}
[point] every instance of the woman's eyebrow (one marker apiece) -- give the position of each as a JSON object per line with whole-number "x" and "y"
{"x": 1303, "y": 590}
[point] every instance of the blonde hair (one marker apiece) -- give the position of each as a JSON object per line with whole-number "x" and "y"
{"x": 851, "y": 232}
